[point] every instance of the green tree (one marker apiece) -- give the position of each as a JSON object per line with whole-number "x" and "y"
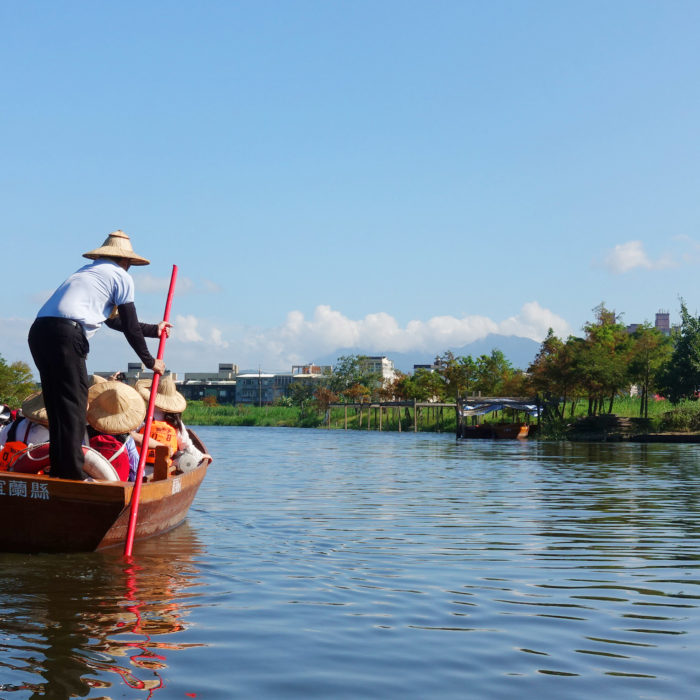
{"x": 552, "y": 375}
{"x": 680, "y": 377}
{"x": 349, "y": 372}
{"x": 427, "y": 385}
{"x": 16, "y": 382}
{"x": 493, "y": 373}
{"x": 459, "y": 375}
{"x": 650, "y": 351}
{"x": 601, "y": 359}
{"x": 301, "y": 391}
{"x": 403, "y": 386}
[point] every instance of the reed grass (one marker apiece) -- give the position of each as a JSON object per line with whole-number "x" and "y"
{"x": 197, "y": 413}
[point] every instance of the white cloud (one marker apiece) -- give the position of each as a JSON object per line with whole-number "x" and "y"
{"x": 625, "y": 257}
{"x": 533, "y": 322}
{"x": 628, "y": 256}
{"x": 199, "y": 344}
{"x": 299, "y": 339}
{"x": 185, "y": 329}
{"x": 217, "y": 338}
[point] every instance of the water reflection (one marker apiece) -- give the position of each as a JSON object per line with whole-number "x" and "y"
{"x": 96, "y": 621}
{"x": 383, "y": 566}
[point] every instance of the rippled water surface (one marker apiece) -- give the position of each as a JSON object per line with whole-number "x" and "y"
{"x": 336, "y": 564}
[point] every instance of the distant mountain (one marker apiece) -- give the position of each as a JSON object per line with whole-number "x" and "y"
{"x": 519, "y": 351}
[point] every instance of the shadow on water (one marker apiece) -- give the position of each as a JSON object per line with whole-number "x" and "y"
{"x": 81, "y": 623}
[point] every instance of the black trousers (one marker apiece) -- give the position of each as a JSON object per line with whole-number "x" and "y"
{"x": 59, "y": 349}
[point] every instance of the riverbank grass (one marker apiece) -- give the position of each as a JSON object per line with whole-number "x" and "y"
{"x": 663, "y": 417}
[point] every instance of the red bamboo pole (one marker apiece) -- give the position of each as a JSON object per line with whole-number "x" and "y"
{"x": 136, "y": 493}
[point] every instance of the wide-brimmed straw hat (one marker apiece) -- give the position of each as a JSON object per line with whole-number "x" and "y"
{"x": 34, "y": 409}
{"x": 117, "y": 245}
{"x": 115, "y": 407}
{"x": 95, "y": 379}
{"x": 168, "y": 398}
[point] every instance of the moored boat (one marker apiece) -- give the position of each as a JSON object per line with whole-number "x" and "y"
{"x": 475, "y": 407}
{"x": 494, "y": 431}
{"x": 43, "y": 514}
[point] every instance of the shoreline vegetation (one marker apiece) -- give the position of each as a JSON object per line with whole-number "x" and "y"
{"x": 665, "y": 422}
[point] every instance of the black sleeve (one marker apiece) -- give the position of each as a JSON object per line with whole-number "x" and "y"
{"x": 128, "y": 323}
{"x": 149, "y": 330}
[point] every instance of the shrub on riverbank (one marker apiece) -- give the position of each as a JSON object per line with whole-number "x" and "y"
{"x": 682, "y": 418}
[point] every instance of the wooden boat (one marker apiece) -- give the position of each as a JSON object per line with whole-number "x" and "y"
{"x": 41, "y": 514}
{"x": 495, "y": 431}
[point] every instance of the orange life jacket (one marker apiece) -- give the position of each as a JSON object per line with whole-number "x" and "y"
{"x": 9, "y": 454}
{"x": 165, "y": 434}
{"x": 13, "y": 447}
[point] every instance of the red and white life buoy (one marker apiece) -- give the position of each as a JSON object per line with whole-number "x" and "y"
{"x": 98, "y": 467}
{"x": 35, "y": 459}
{"x": 32, "y": 459}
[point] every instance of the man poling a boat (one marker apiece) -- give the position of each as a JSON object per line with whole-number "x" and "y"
{"x": 58, "y": 340}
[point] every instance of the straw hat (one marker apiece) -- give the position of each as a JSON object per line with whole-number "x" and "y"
{"x": 168, "y": 398}
{"x": 143, "y": 384}
{"x": 34, "y": 409}
{"x": 117, "y": 245}
{"x": 114, "y": 407}
{"x": 95, "y": 379}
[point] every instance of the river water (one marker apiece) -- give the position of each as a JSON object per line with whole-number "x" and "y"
{"x": 333, "y": 564}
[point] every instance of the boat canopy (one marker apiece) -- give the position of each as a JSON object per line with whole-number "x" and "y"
{"x": 480, "y": 407}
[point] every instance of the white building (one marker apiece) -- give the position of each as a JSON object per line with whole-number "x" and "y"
{"x": 379, "y": 364}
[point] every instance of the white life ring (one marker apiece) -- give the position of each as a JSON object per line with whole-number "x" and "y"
{"x": 97, "y": 466}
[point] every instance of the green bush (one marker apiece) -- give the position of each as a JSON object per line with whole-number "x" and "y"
{"x": 683, "y": 418}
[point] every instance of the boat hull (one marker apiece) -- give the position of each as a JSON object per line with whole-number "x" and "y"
{"x": 41, "y": 514}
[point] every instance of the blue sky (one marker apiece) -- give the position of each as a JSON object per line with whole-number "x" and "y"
{"x": 393, "y": 175}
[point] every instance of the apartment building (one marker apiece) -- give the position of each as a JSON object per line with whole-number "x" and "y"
{"x": 379, "y": 364}
{"x": 220, "y": 385}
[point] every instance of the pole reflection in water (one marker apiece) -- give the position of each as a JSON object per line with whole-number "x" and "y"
{"x": 96, "y": 621}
